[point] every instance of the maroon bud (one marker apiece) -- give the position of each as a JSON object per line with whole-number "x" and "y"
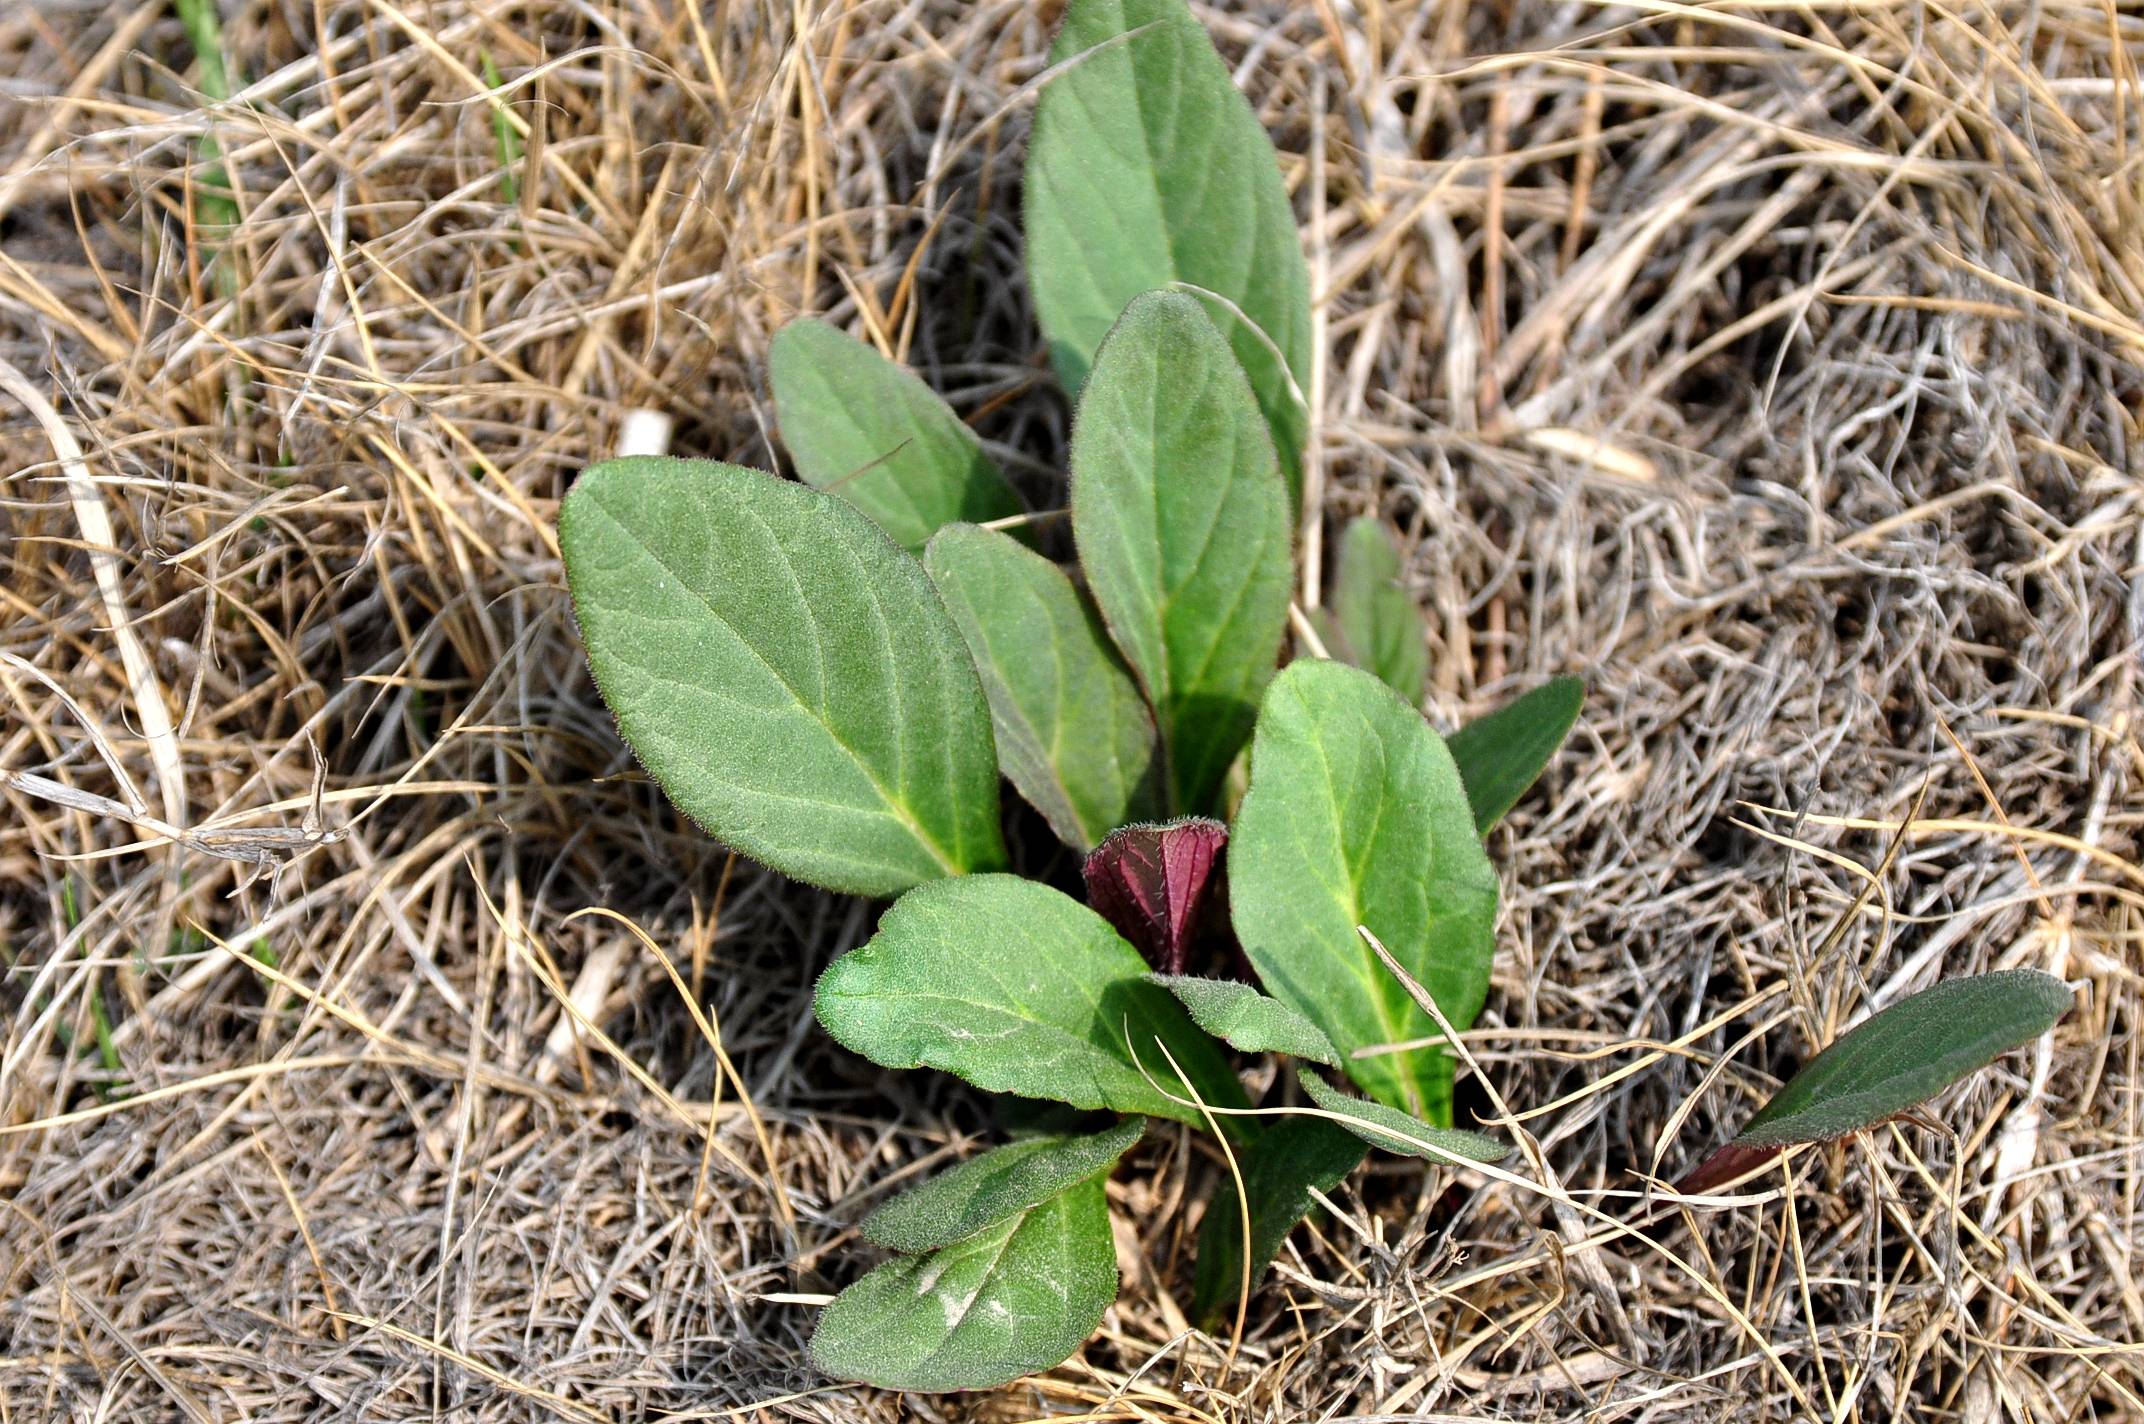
{"x": 1153, "y": 884}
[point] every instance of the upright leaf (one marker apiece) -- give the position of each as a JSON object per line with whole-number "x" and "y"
{"x": 1375, "y": 619}
{"x": 1394, "y": 1131}
{"x": 1281, "y": 1168}
{"x": 1902, "y": 1056}
{"x": 1147, "y": 168}
{"x": 1356, "y": 816}
{"x": 1182, "y": 525}
{"x": 1154, "y": 884}
{"x": 1891, "y": 1063}
{"x": 786, "y": 674}
{"x": 1500, "y": 755}
{"x": 1018, "y": 1297}
{"x": 1018, "y": 989}
{"x": 860, "y": 426}
{"x": 1073, "y": 732}
{"x": 1247, "y": 1020}
{"x": 1004, "y": 1181}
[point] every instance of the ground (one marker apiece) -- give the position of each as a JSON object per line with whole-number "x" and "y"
{"x": 1773, "y": 367}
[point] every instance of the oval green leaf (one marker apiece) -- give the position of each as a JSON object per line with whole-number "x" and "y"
{"x": 1902, "y": 1056}
{"x": 788, "y": 676}
{"x": 1377, "y": 622}
{"x": 1147, "y": 168}
{"x": 1356, "y": 816}
{"x": 1247, "y": 1020}
{"x": 1017, "y": 1297}
{"x": 1073, "y": 732}
{"x": 1281, "y": 1168}
{"x": 1003, "y": 1182}
{"x": 1019, "y": 989}
{"x": 1502, "y": 754}
{"x": 1391, "y": 1130}
{"x": 1182, "y": 526}
{"x": 859, "y": 426}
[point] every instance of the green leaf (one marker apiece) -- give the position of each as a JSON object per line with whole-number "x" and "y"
{"x": 1281, "y": 1168}
{"x": 1356, "y": 816}
{"x": 1247, "y": 1020}
{"x": 1501, "y": 754}
{"x": 1018, "y": 1297}
{"x": 787, "y": 674}
{"x": 1379, "y": 627}
{"x": 1182, "y": 526}
{"x": 1902, "y": 1056}
{"x": 860, "y": 426}
{"x": 1394, "y": 1131}
{"x": 1147, "y": 168}
{"x": 1003, "y": 1182}
{"x": 1018, "y": 989}
{"x": 1073, "y": 732}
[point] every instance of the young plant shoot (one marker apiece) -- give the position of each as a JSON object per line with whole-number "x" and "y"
{"x": 832, "y": 674}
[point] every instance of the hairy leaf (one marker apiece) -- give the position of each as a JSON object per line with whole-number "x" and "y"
{"x": 1281, "y": 1168}
{"x": 1153, "y": 884}
{"x": 1073, "y": 732}
{"x": 860, "y": 426}
{"x": 1902, "y": 1056}
{"x": 1247, "y": 1020}
{"x": 1379, "y": 627}
{"x": 786, "y": 674}
{"x": 1394, "y": 1131}
{"x": 1182, "y": 526}
{"x": 1017, "y": 1297}
{"x": 1003, "y": 1182}
{"x": 1018, "y": 989}
{"x": 1147, "y": 168}
{"x": 1356, "y": 816}
{"x": 1500, "y": 755}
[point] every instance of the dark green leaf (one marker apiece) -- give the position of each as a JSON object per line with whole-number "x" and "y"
{"x": 1017, "y": 1297}
{"x": 1281, "y": 1168}
{"x": 1247, "y": 1020}
{"x": 1147, "y": 168}
{"x": 1356, "y": 816}
{"x": 1899, "y": 1058}
{"x": 1073, "y": 732}
{"x": 1182, "y": 526}
{"x": 1501, "y": 754}
{"x": 1004, "y": 1181}
{"x": 1395, "y": 1131}
{"x": 1018, "y": 989}
{"x": 788, "y": 675}
{"x": 860, "y": 426}
{"x": 1379, "y": 627}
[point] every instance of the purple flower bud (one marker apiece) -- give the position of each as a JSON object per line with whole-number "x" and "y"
{"x": 1153, "y": 883}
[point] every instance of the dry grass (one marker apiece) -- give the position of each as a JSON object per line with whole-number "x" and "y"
{"x": 1775, "y": 366}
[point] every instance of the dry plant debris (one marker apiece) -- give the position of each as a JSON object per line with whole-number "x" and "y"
{"x": 1775, "y": 367}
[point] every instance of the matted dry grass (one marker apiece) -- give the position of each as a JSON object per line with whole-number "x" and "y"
{"x": 1774, "y": 365}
